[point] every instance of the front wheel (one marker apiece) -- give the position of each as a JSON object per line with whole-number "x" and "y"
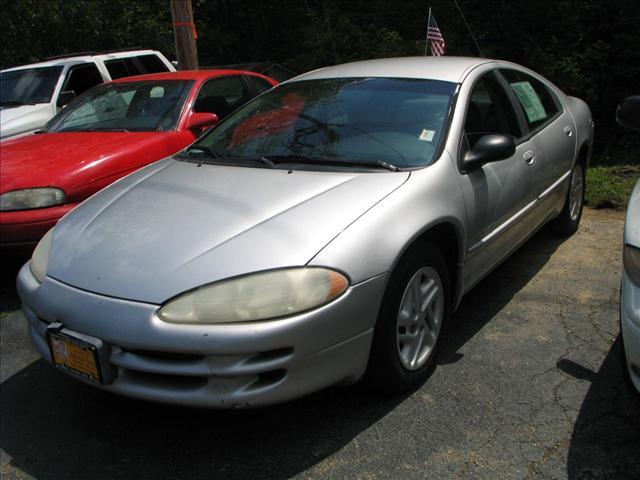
{"x": 413, "y": 311}
{"x": 567, "y": 222}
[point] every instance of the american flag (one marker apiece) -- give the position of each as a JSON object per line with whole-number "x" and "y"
{"x": 438, "y": 47}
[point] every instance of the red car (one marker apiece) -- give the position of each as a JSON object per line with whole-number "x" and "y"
{"x": 105, "y": 134}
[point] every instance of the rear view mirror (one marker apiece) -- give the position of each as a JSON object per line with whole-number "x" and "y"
{"x": 628, "y": 112}
{"x": 489, "y": 148}
{"x": 65, "y": 97}
{"x": 200, "y": 121}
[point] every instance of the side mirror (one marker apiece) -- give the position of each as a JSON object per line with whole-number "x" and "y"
{"x": 628, "y": 112}
{"x": 200, "y": 121}
{"x": 489, "y": 148}
{"x": 65, "y": 97}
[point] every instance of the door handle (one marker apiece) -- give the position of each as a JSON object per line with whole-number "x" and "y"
{"x": 529, "y": 157}
{"x": 568, "y": 131}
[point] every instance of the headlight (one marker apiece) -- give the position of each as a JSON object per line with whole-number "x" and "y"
{"x": 631, "y": 262}
{"x": 259, "y": 296}
{"x": 40, "y": 257}
{"x": 30, "y": 198}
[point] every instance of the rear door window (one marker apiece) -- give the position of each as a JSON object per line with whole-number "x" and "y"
{"x": 151, "y": 64}
{"x": 539, "y": 105}
{"x": 129, "y": 66}
{"x": 121, "y": 67}
{"x": 222, "y": 96}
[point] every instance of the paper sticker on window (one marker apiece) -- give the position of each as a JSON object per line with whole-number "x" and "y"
{"x": 530, "y": 101}
{"x": 427, "y": 135}
{"x": 156, "y": 92}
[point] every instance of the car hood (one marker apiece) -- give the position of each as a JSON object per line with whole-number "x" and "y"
{"x": 632, "y": 224}
{"x": 16, "y": 120}
{"x": 174, "y": 226}
{"x": 69, "y": 160}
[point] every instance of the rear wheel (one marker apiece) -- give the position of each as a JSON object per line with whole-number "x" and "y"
{"x": 567, "y": 222}
{"x": 413, "y": 311}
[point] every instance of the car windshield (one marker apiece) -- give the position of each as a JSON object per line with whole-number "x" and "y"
{"x": 28, "y": 86}
{"x": 148, "y": 106}
{"x": 392, "y": 122}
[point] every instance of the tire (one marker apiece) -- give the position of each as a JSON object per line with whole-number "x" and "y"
{"x": 404, "y": 341}
{"x": 569, "y": 219}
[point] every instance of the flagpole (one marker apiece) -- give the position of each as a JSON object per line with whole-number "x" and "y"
{"x": 426, "y": 43}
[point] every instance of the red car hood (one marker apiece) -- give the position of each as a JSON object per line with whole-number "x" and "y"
{"x": 74, "y": 159}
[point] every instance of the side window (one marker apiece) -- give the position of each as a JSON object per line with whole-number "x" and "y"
{"x": 117, "y": 68}
{"x": 538, "y": 103}
{"x": 151, "y": 64}
{"x": 82, "y": 77}
{"x": 489, "y": 111}
{"x": 124, "y": 67}
{"x": 222, "y": 96}
{"x": 260, "y": 84}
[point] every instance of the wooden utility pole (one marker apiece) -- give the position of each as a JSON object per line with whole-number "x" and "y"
{"x": 184, "y": 32}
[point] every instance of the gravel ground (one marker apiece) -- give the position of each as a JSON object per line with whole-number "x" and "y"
{"x": 528, "y": 384}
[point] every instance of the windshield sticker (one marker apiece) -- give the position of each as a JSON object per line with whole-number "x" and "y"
{"x": 427, "y": 135}
{"x": 530, "y": 101}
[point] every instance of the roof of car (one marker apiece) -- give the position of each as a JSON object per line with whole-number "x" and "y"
{"x": 184, "y": 75}
{"x": 450, "y": 69}
{"x": 83, "y": 58}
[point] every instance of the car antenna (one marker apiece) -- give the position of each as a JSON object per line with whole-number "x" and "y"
{"x": 469, "y": 28}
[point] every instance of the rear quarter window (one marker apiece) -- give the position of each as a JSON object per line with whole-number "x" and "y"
{"x": 538, "y": 103}
{"x": 260, "y": 84}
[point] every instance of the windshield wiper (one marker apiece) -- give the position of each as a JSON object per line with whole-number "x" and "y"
{"x": 308, "y": 160}
{"x": 388, "y": 166}
{"x": 92, "y": 130}
{"x": 109, "y": 130}
{"x": 217, "y": 157}
{"x": 213, "y": 153}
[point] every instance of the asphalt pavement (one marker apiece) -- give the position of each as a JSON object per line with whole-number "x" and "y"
{"x": 528, "y": 383}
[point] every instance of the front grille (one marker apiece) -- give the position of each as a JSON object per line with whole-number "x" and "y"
{"x": 187, "y": 357}
{"x": 182, "y": 372}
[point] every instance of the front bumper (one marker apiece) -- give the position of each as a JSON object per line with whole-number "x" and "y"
{"x": 630, "y": 324}
{"x": 24, "y": 228}
{"x": 221, "y": 366}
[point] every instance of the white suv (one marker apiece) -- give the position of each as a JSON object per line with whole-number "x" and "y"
{"x": 31, "y": 94}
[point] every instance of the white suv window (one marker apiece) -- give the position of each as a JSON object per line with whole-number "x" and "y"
{"x": 129, "y": 66}
{"x": 81, "y": 78}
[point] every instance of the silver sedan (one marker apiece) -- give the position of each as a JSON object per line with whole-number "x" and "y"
{"x": 322, "y": 233}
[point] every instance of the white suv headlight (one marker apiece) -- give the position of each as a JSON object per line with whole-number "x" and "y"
{"x": 31, "y": 198}
{"x": 259, "y": 296}
{"x": 40, "y": 257}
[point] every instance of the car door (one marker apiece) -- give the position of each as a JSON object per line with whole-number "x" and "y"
{"x": 551, "y": 129}
{"x": 499, "y": 195}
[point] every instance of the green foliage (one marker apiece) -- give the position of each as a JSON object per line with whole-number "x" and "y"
{"x": 587, "y": 47}
{"x": 36, "y": 29}
{"x": 610, "y": 187}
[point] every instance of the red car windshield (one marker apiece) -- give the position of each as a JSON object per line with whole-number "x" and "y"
{"x": 147, "y": 106}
